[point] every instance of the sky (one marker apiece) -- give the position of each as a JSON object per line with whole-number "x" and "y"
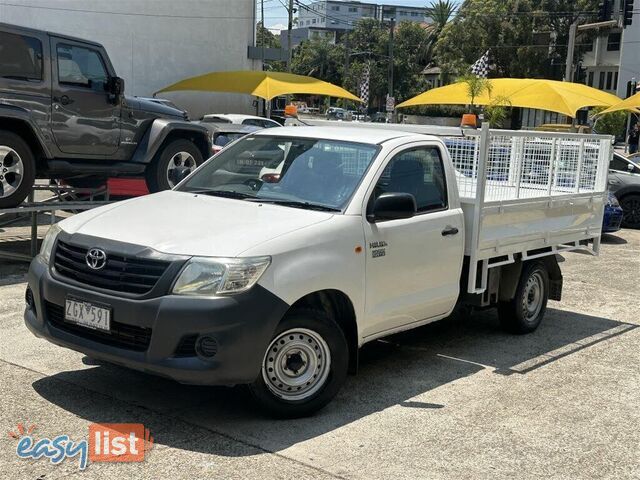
{"x": 275, "y": 14}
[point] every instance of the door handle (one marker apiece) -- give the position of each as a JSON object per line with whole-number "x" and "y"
{"x": 64, "y": 100}
{"x": 449, "y": 231}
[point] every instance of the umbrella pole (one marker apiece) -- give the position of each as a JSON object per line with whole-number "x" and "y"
{"x": 627, "y": 132}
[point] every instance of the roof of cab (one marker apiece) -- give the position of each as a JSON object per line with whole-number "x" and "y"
{"x": 345, "y": 134}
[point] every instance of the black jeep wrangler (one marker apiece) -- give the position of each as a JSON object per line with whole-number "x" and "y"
{"x": 63, "y": 115}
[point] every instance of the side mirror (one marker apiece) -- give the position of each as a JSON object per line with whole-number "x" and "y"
{"x": 116, "y": 86}
{"x": 393, "y": 206}
{"x": 630, "y": 167}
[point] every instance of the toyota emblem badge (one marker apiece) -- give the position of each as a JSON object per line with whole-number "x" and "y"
{"x": 96, "y": 259}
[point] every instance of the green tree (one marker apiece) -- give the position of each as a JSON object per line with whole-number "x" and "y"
{"x": 411, "y": 55}
{"x": 265, "y": 37}
{"x": 368, "y": 43}
{"x": 614, "y": 123}
{"x": 320, "y": 59}
{"x": 440, "y": 12}
{"x": 476, "y": 86}
{"x": 518, "y": 32}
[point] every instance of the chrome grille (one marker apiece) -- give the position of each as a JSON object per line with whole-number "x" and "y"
{"x": 121, "y": 273}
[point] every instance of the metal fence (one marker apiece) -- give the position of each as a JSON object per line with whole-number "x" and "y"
{"x": 520, "y": 164}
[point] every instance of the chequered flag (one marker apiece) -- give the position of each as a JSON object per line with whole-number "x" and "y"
{"x": 364, "y": 84}
{"x": 481, "y": 67}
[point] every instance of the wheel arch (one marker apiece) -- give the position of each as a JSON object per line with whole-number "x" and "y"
{"x": 339, "y": 307}
{"x": 627, "y": 190}
{"x": 25, "y": 130}
{"x": 161, "y": 132}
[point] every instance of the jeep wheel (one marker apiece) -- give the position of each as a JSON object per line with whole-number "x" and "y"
{"x": 304, "y": 366}
{"x": 17, "y": 170}
{"x": 171, "y": 163}
{"x": 631, "y": 211}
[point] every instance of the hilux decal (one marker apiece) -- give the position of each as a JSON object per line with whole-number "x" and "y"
{"x": 378, "y": 249}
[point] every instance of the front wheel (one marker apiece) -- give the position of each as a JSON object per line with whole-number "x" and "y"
{"x": 525, "y": 311}
{"x": 175, "y": 160}
{"x": 631, "y": 211}
{"x": 304, "y": 366}
{"x": 17, "y": 170}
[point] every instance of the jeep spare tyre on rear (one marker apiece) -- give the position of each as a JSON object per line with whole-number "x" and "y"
{"x": 174, "y": 161}
{"x": 17, "y": 169}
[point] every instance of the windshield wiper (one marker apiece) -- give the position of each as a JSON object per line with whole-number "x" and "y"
{"x": 298, "y": 204}
{"x": 222, "y": 193}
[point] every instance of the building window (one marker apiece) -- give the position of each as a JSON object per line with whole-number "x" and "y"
{"x": 313, "y": 20}
{"x": 588, "y": 47}
{"x": 590, "y": 81}
{"x": 609, "y": 80}
{"x": 601, "y": 82}
{"x": 335, "y": 8}
{"x": 353, "y": 9}
{"x": 613, "y": 42}
{"x": 415, "y": 14}
{"x": 615, "y": 81}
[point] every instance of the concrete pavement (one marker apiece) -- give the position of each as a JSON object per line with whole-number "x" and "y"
{"x": 454, "y": 400}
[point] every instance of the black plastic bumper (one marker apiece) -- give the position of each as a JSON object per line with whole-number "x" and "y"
{"x": 241, "y": 325}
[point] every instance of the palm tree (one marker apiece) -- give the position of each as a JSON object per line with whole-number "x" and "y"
{"x": 440, "y": 11}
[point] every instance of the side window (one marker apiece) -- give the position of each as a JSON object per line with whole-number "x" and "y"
{"x": 254, "y": 122}
{"x": 619, "y": 164}
{"x": 20, "y": 57}
{"x": 81, "y": 67}
{"x": 420, "y": 172}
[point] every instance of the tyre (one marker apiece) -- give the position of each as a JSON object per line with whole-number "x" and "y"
{"x": 174, "y": 158}
{"x": 524, "y": 313}
{"x": 304, "y": 366}
{"x": 631, "y": 211}
{"x": 17, "y": 169}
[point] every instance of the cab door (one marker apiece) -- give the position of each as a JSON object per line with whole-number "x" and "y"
{"x": 85, "y": 118}
{"x": 413, "y": 265}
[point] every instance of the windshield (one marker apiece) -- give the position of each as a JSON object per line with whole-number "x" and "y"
{"x": 296, "y": 172}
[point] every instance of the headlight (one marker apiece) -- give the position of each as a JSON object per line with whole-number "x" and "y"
{"x": 47, "y": 243}
{"x": 612, "y": 201}
{"x": 219, "y": 276}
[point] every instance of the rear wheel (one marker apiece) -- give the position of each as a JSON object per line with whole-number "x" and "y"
{"x": 170, "y": 165}
{"x": 304, "y": 366}
{"x": 525, "y": 311}
{"x": 17, "y": 169}
{"x": 631, "y": 211}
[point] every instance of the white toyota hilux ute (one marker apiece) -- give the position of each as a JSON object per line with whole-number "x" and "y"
{"x": 276, "y": 280}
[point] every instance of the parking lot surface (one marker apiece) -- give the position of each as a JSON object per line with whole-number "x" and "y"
{"x": 453, "y": 400}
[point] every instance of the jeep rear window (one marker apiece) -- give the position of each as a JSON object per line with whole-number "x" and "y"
{"x": 20, "y": 57}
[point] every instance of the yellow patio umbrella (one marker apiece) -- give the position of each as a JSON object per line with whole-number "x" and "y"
{"x": 265, "y": 85}
{"x": 552, "y": 95}
{"x": 632, "y": 104}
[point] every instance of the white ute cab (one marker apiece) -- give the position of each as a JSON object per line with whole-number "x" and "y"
{"x": 276, "y": 282}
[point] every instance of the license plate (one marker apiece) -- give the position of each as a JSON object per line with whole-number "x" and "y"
{"x": 87, "y": 314}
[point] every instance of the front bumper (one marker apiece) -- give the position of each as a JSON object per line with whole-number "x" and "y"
{"x": 241, "y": 326}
